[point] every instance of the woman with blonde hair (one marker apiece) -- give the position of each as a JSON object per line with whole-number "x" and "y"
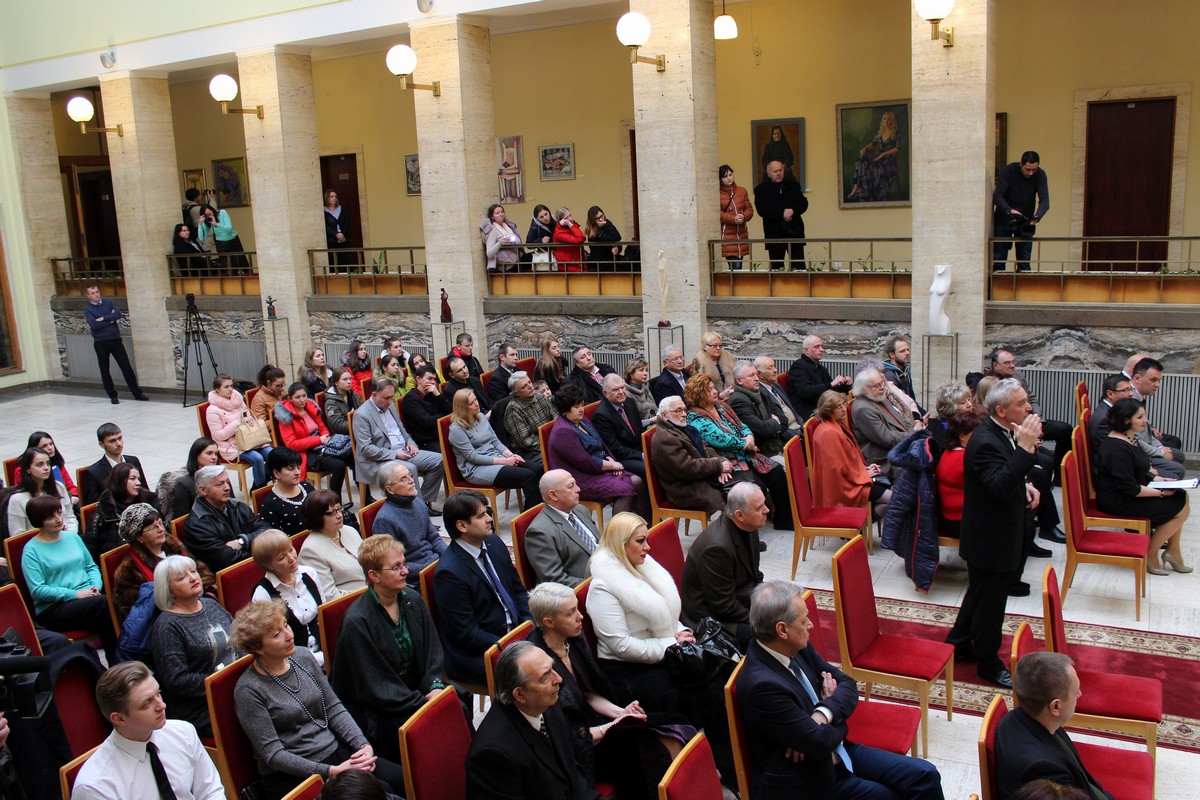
{"x": 482, "y": 457}
{"x": 716, "y": 362}
{"x": 551, "y": 367}
{"x": 294, "y": 585}
{"x": 877, "y": 170}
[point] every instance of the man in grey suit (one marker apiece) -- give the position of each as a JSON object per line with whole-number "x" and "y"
{"x": 877, "y": 422}
{"x": 562, "y": 538}
{"x": 379, "y": 436}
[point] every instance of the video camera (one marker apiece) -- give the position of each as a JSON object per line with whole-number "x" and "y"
{"x": 1022, "y": 227}
{"x": 25, "y": 689}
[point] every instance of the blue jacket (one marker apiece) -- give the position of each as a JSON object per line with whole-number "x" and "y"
{"x": 102, "y": 319}
{"x": 910, "y": 527}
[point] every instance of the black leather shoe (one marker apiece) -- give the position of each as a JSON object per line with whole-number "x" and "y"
{"x": 140, "y": 397}
{"x": 1019, "y": 589}
{"x": 1055, "y": 535}
{"x": 1037, "y": 551}
{"x": 114, "y": 401}
{"x": 1001, "y": 678}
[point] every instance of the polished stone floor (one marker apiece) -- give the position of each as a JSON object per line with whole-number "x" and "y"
{"x": 159, "y": 433}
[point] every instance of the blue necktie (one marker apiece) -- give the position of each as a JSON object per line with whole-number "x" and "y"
{"x": 510, "y": 607}
{"x": 808, "y": 687}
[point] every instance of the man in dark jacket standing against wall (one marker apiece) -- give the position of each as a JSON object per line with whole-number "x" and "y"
{"x": 780, "y": 202}
{"x": 103, "y": 318}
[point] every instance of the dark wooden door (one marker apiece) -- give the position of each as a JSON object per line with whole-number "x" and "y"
{"x": 339, "y": 174}
{"x": 101, "y": 236}
{"x": 1127, "y": 183}
{"x": 637, "y": 221}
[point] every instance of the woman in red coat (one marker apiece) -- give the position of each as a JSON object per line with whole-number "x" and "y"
{"x": 841, "y": 477}
{"x": 950, "y": 481}
{"x": 305, "y": 432}
{"x": 567, "y": 231}
{"x": 736, "y": 211}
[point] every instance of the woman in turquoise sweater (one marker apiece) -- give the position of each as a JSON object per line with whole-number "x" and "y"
{"x": 225, "y": 237}
{"x": 64, "y": 581}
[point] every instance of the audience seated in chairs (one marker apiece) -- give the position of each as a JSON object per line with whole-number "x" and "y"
{"x": 190, "y": 640}
{"x": 302, "y": 731}
{"x": 331, "y": 549}
{"x": 314, "y": 373}
{"x": 397, "y": 656}
{"x": 464, "y": 348}
{"x": 768, "y": 373}
{"x": 576, "y": 446}
{"x": 144, "y": 530}
{"x": 391, "y": 369}
{"x": 226, "y": 410}
{"x": 271, "y": 383}
{"x": 759, "y": 411}
{"x": 691, "y": 475}
{"x": 113, "y": 441}
{"x": 482, "y": 457}
{"x": 807, "y": 378}
{"x": 841, "y": 476}
{"x": 458, "y": 378}
{"x": 341, "y": 398}
{"x": 358, "y": 362}
{"x": 177, "y": 489}
{"x": 303, "y": 429}
{"x": 58, "y": 465}
{"x": 587, "y": 374}
{"x": 637, "y": 386}
{"x": 405, "y": 517}
{"x": 293, "y": 584}
{"x": 282, "y": 508}
{"x": 951, "y": 483}
{"x": 674, "y": 375}
{"x": 527, "y": 410}
{"x": 37, "y": 481}
{"x": 423, "y": 405}
{"x": 563, "y": 536}
{"x": 506, "y": 365}
{"x": 552, "y": 366}
{"x": 219, "y": 528}
{"x": 380, "y": 437}
{"x": 618, "y": 420}
{"x": 879, "y": 424}
{"x": 124, "y": 488}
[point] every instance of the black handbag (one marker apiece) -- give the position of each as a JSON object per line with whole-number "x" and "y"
{"x": 712, "y": 656}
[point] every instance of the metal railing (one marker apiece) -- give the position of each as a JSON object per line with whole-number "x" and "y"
{"x": 73, "y": 275}
{"x": 843, "y": 268}
{"x": 214, "y": 273}
{"x": 559, "y": 268}
{"x": 369, "y": 270}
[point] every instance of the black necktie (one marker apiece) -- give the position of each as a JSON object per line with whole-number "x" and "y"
{"x": 545, "y": 731}
{"x": 160, "y": 775}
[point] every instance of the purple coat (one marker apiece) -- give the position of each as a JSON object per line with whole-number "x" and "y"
{"x": 568, "y": 451}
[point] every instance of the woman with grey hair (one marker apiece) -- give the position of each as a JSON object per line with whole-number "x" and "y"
{"x": 613, "y": 744}
{"x": 949, "y": 399}
{"x": 189, "y": 642}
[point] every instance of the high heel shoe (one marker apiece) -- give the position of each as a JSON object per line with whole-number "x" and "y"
{"x": 1156, "y": 571}
{"x": 1175, "y": 564}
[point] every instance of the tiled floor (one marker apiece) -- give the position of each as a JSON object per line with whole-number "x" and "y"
{"x": 159, "y": 433}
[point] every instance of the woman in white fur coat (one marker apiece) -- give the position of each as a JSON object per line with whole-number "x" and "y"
{"x": 634, "y": 607}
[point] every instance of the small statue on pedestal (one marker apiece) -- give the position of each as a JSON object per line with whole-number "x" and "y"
{"x": 271, "y": 307}
{"x": 447, "y": 314}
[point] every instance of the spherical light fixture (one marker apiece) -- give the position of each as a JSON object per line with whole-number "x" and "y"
{"x": 633, "y": 29}
{"x": 80, "y": 110}
{"x": 401, "y": 60}
{"x": 934, "y": 10}
{"x": 223, "y": 88}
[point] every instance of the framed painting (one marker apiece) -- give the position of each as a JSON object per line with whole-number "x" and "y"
{"x": 412, "y": 174}
{"x": 231, "y": 181}
{"x": 779, "y": 140}
{"x": 511, "y": 169}
{"x": 557, "y": 161}
{"x": 873, "y": 154}
{"x": 194, "y": 179}
{"x": 1001, "y": 144}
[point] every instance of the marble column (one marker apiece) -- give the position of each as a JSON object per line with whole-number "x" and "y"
{"x": 456, "y": 137}
{"x": 285, "y": 188}
{"x": 44, "y": 214}
{"x": 146, "y": 185}
{"x": 675, "y": 116}
{"x": 953, "y": 155}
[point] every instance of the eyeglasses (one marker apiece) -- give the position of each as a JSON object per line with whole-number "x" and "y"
{"x": 336, "y": 511}
{"x": 397, "y": 568}
{"x": 714, "y": 344}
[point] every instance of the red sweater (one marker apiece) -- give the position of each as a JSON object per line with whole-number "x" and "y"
{"x": 569, "y": 258}
{"x": 950, "y": 484}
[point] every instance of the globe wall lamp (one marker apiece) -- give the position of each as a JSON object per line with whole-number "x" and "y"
{"x": 224, "y": 89}
{"x": 633, "y": 30}
{"x": 81, "y": 110}
{"x": 934, "y": 11}
{"x": 402, "y": 62}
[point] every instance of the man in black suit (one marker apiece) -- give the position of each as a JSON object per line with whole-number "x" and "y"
{"x": 1115, "y": 387}
{"x": 674, "y": 375}
{"x": 422, "y": 406}
{"x": 479, "y": 595}
{"x": 993, "y": 541}
{"x": 460, "y": 378}
{"x": 758, "y": 411}
{"x": 795, "y": 706}
{"x": 506, "y": 363}
{"x": 768, "y": 374}
{"x": 807, "y": 379}
{"x": 1031, "y": 740}
{"x": 588, "y": 373}
{"x": 523, "y": 746}
{"x": 561, "y": 539}
{"x": 617, "y": 421}
{"x": 94, "y": 477}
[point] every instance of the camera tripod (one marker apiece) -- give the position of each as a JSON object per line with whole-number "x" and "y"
{"x": 194, "y": 336}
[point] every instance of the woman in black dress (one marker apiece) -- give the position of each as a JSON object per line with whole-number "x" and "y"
{"x": 1122, "y": 473}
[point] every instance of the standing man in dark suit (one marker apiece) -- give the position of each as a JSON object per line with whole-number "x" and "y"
{"x": 103, "y": 319}
{"x": 96, "y": 476}
{"x": 479, "y": 595}
{"x": 523, "y": 746}
{"x": 795, "y": 706}
{"x": 562, "y": 538}
{"x": 1031, "y": 740}
{"x": 807, "y": 379}
{"x": 673, "y": 376}
{"x": 506, "y": 363}
{"x": 993, "y": 541}
{"x": 618, "y": 422}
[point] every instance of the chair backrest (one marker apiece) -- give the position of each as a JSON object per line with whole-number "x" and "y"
{"x": 809, "y": 426}
{"x": 75, "y": 689}
{"x": 108, "y": 569}
{"x": 987, "y": 746}
{"x": 235, "y": 585}
{"x": 492, "y": 655}
{"x": 202, "y": 418}
{"x": 693, "y": 774}
{"x": 799, "y": 490}
{"x": 350, "y": 431}
{"x": 433, "y": 749}
{"x": 816, "y": 637}
{"x": 367, "y": 515}
{"x": 454, "y": 476}
{"x": 442, "y": 367}
{"x": 235, "y": 754}
{"x": 1023, "y": 644}
{"x": 68, "y": 772}
{"x": 589, "y": 410}
{"x": 85, "y": 516}
{"x": 177, "y": 526}
{"x": 544, "y": 443}
{"x": 329, "y": 622}
{"x": 249, "y": 396}
{"x": 485, "y": 378}
{"x": 653, "y": 486}
{"x": 589, "y": 632}
{"x": 425, "y": 578}
{"x": 10, "y": 471}
{"x": 1052, "y": 616}
{"x": 14, "y": 613}
{"x": 854, "y": 599}
{"x": 14, "y": 549}
{"x": 259, "y": 495}
{"x": 364, "y": 386}
{"x": 309, "y": 790}
{"x": 520, "y": 525}
{"x": 782, "y": 380}
{"x": 1081, "y": 445}
{"x": 737, "y": 732}
{"x": 527, "y": 365}
{"x": 668, "y": 551}
{"x": 1073, "y": 510}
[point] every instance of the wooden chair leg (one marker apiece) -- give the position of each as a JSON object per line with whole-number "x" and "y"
{"x": 950, "y": 688}
{"x": 923, "y": 694}
{"x": 1068, "y": 577}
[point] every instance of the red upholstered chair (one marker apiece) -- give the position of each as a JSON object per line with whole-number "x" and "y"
{"x": 1023, "y": 644}
{"x": 108, "y": 569}
{"x": 455, "y": 482}
{"x": 15, "y": 614}
{"x": 589, "y": 633}
{"x": 442, "y": 367}
{"x": 433, "y": 750}
{"x": 660, "y": 507}
{"x": 485, "y": 378}
{"x": 492, "y": 655}
{"x": 1093, "y": 516}
{"x": 886, "y": 726}
{"x": 260, "y": 494}
{"x": 987, "y": 747}
{"x": 239, "y": 466}
{"x": 367, "y": 515}
{"x": 235, "y": 585}
{"x": 527, "y": 365}
{"x": 14, "y": 548}
{"x": 235, "y": 755}
{"x": 1129, "y": 704}
{"x": 10, "y": 471}
{"x": 874, "y": 657}
{"x": 589, "y": 410}
{"x": 309, "y": 790}
{"x": 177, "y": 526}
{"x": 1095, "y": 546}
{"x": 85, "y": 515}
{"x": 596, "y": 507}
{"x": 85, "y": 725}
{"x": 668, "y": 551}
{"x": 521, "y": 561}
{"x": 1082, "y": 401}
{"x": 693, "y": 774}
{"x": 68, "y": 772}
{"x": 844, "y": 523}
{"x": 427, "y": 577}
{"x": 329, "y": 620}
{"x": 737, "y": 732}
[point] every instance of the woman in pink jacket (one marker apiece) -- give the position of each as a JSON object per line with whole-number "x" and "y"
{"x": 226, "y": 410}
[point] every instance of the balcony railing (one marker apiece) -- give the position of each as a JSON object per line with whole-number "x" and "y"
{"x": 1101, "y": 269}
{"x": 557, "y": 269}
{"x": 74, "y": 275}
{"x": 214, "y": 274}
{"x": 369, "y": 270}
{"x": 831, "y": 268}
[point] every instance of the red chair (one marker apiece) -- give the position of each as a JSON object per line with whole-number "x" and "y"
{"x": 596, "y": 507}
{"x": 14, "y": 549}
{"x": 455, "y": 482}
{"x": 520, "y": 525}
{"x": 425, "y": 580}
{"x": 486, "y": 378}
{"x": 589, "y": 633}
{"x": 367, "y": 515}
{"x": 844, "y": 523}
{"x": 235, "y": 754}
{"x": 442, "y": 368}
{"x": 309, "y": 790}
{"x": 1082, "y": 401}
{"x": 68, "y": 772}
{"x": 235, "y": 585}
{"x": 315, "y": 477}
{"x": 108, "y": 569}
{"x": 527, "y": 365}
{"x": 660, "y": 507}
{"x": 10, "y": 471}
{"x": 259, "y": 495}
{"x": 1093, "y": 516}
{"x": 492, "y": 655}
{"x": 433, "y": 750}
{"x": 873, "y": 657}
{"x": 589, "y": 410}
{"x": 668, "y": 551}
{"x": 1129, "y": 704}
{"x": 14, "y": 613}
{"x": 239, "y": 466}
{"x": 1094, "y": 546}
{"x": 886, "y": 726}
{"x": 737, "y": 732}
{"x": 177, "y": 526}
{"x": 85, "y": 726}
{"x": 85, "y": 516}
{"x": 693, "y": 774}
{"x": 987, "y": 747}
{"x": 329, "y": 621}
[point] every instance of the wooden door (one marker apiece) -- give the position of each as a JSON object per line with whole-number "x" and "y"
{"x": 1127, "y": 182}
{"x": 339, "y": 173}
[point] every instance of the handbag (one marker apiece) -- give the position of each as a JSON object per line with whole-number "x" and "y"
{"x": 541, "y": 261}
{"x": 711, "y": 657}
{"x": 338, "y": 445}
{"x": 252, "y": 433}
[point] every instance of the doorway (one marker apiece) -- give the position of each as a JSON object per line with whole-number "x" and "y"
{"x": 91, "y": 207}
{"x": 339, "y": 173}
